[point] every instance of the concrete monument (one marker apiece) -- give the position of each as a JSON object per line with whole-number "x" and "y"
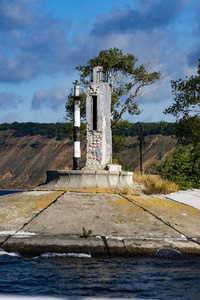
{"x": 99, "y": 170}
{"x": 98, "y": 118}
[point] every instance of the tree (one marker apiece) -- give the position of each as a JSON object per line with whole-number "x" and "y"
{"x": 187, "y": 96}
{"x": 183, "y": 165}
{"x": 186, "y": 108}
{"x": 70, "y": 107}
{"x": 187, "y": 130}
{"x": 127, "y": 80}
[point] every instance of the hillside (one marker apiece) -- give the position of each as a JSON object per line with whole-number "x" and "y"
{"x": 155, "y": 148}
{"x": 25, "y": 159}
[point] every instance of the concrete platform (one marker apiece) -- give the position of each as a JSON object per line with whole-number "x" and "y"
{"x": 89, "y": 178}
{"x": 47, "y": 220}
{"x": 189, "y": 197}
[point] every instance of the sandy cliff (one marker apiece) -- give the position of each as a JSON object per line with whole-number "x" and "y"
{"x": 24, "y": 160}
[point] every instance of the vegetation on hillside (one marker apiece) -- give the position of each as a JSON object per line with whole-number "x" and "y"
{"x": 183, "y": 165}
{"x": 57, "y": 130}
{"x": 132, "y": 129}
{"x": 65, "y": 130}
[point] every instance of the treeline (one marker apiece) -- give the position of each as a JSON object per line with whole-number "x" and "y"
{"x": 132, "y": 129}
{"x": 65, "y": 130}
{"x": 58, "y": 130}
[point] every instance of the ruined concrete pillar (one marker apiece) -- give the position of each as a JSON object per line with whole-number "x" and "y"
{"x": 98, "y": 118}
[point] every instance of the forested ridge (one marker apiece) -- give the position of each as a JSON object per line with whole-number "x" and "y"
{"x": 64, "y": 130}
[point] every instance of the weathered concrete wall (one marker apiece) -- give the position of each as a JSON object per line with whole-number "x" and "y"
{"x": 99, "y": 139}
{"x": 89, "y": 179}
{"x": 95, "y": 149}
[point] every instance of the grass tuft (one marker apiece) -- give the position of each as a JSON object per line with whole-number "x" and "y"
{"x": 154, "y": 184}
{"x": 126, "y": 191}
{"x": 86, "y": 233}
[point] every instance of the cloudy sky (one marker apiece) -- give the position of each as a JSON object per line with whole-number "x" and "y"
{"x": 42, "y": 41}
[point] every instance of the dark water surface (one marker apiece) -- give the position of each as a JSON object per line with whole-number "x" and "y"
{"x": 158, "y": 277}
{"x": 6, "y": 192}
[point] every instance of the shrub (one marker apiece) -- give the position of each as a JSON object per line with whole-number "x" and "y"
{"x": 182, "y": 166}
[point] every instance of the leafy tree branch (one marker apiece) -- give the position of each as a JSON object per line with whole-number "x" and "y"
{"x": 183, "y": 165}
{"x": 186, "y": 96}
{"x": 127, "y": 80}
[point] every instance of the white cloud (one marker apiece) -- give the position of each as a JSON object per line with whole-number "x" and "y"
{"x": 10, "y": 118}
{"x": 33, "y": 42}
{"x": 53, "y": 98}
{"x": 9, "y": 100}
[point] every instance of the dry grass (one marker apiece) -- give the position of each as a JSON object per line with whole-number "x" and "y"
{"x": 154, "y": 184}
{"x": 126, "y": 191}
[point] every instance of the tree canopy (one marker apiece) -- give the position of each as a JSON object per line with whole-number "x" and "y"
{"x": 187, "y": 96}
{"x": 183, "y": 165}
{"x": 127, "y": 80}
{"x": 186, "y": 108}
{"x": 187, "y": 130}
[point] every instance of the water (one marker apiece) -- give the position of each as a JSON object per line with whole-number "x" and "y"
{"x": 6, "y": 192}
{"x": 155, "y": 277}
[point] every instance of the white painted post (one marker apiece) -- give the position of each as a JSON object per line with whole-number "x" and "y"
{"x": 76, "y": 151}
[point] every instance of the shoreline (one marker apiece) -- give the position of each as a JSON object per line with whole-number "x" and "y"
{"x": 99, "y": 246}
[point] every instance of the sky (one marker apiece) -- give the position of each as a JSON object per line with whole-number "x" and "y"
{"x": 42, "y": 42}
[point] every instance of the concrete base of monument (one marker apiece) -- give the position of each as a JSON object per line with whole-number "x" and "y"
{"x": 89, "y": 178}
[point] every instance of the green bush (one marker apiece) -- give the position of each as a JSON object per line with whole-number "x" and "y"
{"x": 182, "y": 166}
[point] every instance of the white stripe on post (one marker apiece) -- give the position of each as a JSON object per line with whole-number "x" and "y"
{"x": 77, "y": 151}
{"x": 76, "y": 117}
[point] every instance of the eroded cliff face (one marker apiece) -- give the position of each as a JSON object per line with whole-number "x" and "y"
{"x": 25, "y": 160}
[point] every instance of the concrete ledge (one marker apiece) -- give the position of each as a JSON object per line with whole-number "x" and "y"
{"x": 36, "y": 222}
{"x": 101, "y": 246}
{"x": 89, "y": 178}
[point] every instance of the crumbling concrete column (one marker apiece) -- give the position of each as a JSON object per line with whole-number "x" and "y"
{"x": 98, "y": 117}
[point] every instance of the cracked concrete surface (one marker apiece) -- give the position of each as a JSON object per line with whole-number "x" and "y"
{"x": 52, "y": 221}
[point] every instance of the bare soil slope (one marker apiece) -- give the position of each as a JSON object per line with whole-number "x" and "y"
{"x": 155, "y": 149}
{"x": 24, "y": 160}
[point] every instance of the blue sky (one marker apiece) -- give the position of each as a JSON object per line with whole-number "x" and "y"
{"x": 42, "y": 41}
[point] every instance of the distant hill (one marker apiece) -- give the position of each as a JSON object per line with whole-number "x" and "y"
{"x": 155, "y": 149}
{"x": 27, "y": 150}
